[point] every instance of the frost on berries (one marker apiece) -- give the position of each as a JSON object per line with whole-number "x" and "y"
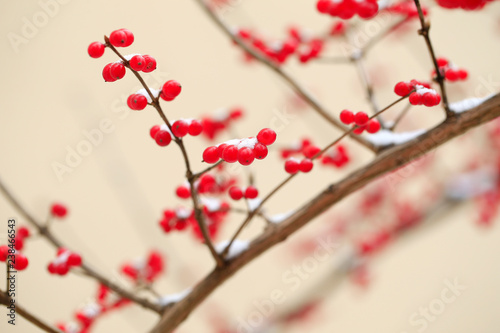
{"x": 450, "y": 71}
{"x": 420, "y": 93}
{"x": 64, "y": 260}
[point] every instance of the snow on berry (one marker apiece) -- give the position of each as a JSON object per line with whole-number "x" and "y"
{"x": 450, "y": 71}
{"x": 336, "y": 156}
{"x": 145, "y": 269}
{"x": 64, "y": 261}
{"x": 425, "y": 96}
{"x": 161, "y": 134}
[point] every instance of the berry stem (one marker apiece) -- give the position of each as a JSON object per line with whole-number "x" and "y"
{"x": 43, "y": 231}
{"x": 400, "y": 116}
{"x": 305, "y": 95}
{"x": 201, "y": 173}
{"x": 424, "y": 31}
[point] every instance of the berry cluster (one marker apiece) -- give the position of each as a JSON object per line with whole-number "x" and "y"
{"x": 178, "y": 219}
{"x": 298, "y": 42}
{"x": 250, "y": 192}
{"x": 420, "y": 93}
{"x": 64, "y": 261}
{"x": 336, "y": 156}
{"x": 58, "y": 210}
{"x": 19, "y": 260}
{"x": 244, "y": 151}
{"x": 360, "y": 120}
{"x": 294, "y": 165}
{"x": 215, "y": 212}
{"x": 147, "y": 269}
{"x": 221, "y": 120}
{"x": 346, "y": 9}
{"x": 450, "y": 71}
{"x": 299, "y": 147}
{"x": 207, "y": 184}
{"x": 464, "y": 4}
{"x": 180, "y": 128}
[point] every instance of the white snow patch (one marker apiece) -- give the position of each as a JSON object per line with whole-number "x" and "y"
{"x": 164, "y": 127}
{"x": 92, "y": 310}
{"x": 253, "y": 204}
{"x": 173, "y": 298}
{"x": 212, "y": 204}
{"x": 471, "y": 184}
{"x": 62, "y": 258}
{"x": 386, "y": 137}
{"x": 467, "y": 104}
{"x": 422, "y": 90}
{"x": 182, "y": 213}
{"x": 247, "y": 143}
{"x": 144, "y": 93}
{"x": 130, "y": 56}
{"x": 278, "y": 218}
{"x": 238, "y": 247}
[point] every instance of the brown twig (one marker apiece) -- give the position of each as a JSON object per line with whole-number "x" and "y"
{"x": 391, "y": 159}
{"x": 424, "y": 31}
{"x": 89, "y": 271}
{"x": 5, "y": 300}
{"x": 308, "y": 97}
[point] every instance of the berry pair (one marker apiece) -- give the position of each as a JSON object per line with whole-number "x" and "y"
{"x": 147, "y": 269}
{"x": 361, "y": 121}
{"x": 58, "y": 210}
{"x": 236, "y": 193}
{"x": 19, "y": 262}
{"x": 420, "y": 93}
{"x": 346, "y": 9}
{"x": 451, "y": 72}
{"x": 141, "y": 63}
{"x": 183, "y": 127}
{"x": 64, "y": 261}
{"x": 294, "y": 165}
{"x": 178, "y": 219}
{"x": 244, "y": 151}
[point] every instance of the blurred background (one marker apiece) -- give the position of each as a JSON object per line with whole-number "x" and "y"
{"x": 52, "y": 95}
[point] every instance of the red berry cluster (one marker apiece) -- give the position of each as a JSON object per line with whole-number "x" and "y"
{"x": 58, "y": 210}
{"x": 420, "y": 93}
{"x": 336, "y": 156}
{"x": 161, "y": 134}
{"x": 297, "y": 43}
{"x": 250, "y": 192}
{"x": 147, "y": 269}
{"x": 244, "y": 151}
{"x": 207, "y": 184}
{"x": 180, "y": 128}
{"x": 64, "y": 261}
{"x": 215, "y": 212}
{"x": 21, "y": 234}
{"x": 406, "y": 8}
{"x": 221, "y": 120}
{"x": 464, "y": 4}
{"x": 346, "y": 9}
{"x": 297, "y": 148}
{"x": 360, "y": 120}
{"x": 294, "y": 165}
{"x": 19, "y": 260}
{"x": 178, "y": 219}
{"x": 450, "y": 71}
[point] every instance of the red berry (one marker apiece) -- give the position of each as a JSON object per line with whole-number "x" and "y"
{"x": 323, "y": 6}
{"x": 462, "y": 74}
{"x": 137, "y": 62}
{"x": 74, "y": 259}
{"x": 442, "y": 62}
{"x": 61, "y": 250}
{"x": 451, "y": 75}
{"x": 235, "y": 193}
{"x": 117, "y": 70}
{"x": 171, "y": 89}
{"x": 106, "y": 73}
{"x": 154, "y": 130}
{"x": 246, "y": 155}
{"x": 130, "y": 37}
{"x": 266, "y": 136}
{"x": 195, "y": 128}
{"x": 59, "y": 210}
{"x": 23, "y": 232}
{"x": 305, "y": 165}
{"x": 292, "y": 166}
{"x": 96, "y": 49}
{"x": 402, "y": 89}
{"x": 230, "y": 154}
{"x": 361, "y": 118}
{"x": 180, "y": 128}
{"x": 251, "y": 192}
{"x": 4, "y": 251}
{"x": 415, "y": 99}
{"x": 347, "y": 117}
{"x": 118, "y": 38}
{"x": 166, "y": 98}
{"x": 137, "y": 102}
{"x": 210, "y": 155}
{"x": 260, "y": 151}
{"x": 373, "y": 126}
{"x": 183, "y": 192}
{"x": 311, "y": 151}
{"x": 51, "y": 268}
{"x": 150, "y": 64}
{"x": 359, "y": 130}
{"x": 18, "y": 243}
{"x": 62, "y": 269}
{"x": 163, "y": 138}
{"x": 21, "y": 262}
{"x": 430, "y": 99}
{"x": 220, "y": 149}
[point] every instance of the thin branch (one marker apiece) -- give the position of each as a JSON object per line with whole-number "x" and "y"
{"x": 89, "y": 271}
{"x": 424, "y": 31}
{"x": 391, "y": 159}
{"x": 309, "y": 98}
{"x": 5, "y": 300}
{"x": 374, "y": 40}
{"x": 201, "y": 173}
{"x": 200, "y": 219}
{"x": 400, "y": 116}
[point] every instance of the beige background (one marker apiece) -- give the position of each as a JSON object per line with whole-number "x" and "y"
{"x": 51, "y": 92}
